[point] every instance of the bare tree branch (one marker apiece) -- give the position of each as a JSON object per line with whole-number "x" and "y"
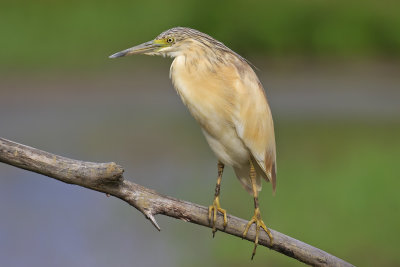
{"x": 108, "y": 178}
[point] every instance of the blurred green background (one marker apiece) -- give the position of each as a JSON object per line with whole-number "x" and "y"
{"x": 332, "y": 75}
{"x": 73, "y": 33}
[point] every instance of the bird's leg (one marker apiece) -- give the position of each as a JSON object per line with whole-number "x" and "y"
{"x": 215, "y": 207}
{"x": 257, "y": 215}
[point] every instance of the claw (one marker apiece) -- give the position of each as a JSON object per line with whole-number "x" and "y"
{"x": 259, "y": 224}
{"x": 213, "y": 212}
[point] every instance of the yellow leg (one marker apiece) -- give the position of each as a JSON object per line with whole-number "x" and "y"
{"x": 257, "y": 215}
{"x": 215, "y": 207}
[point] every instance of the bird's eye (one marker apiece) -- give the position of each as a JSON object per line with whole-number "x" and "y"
{"x": 170, "y": 40}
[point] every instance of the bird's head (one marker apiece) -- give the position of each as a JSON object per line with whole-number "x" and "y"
{"x": 172, "y": 43}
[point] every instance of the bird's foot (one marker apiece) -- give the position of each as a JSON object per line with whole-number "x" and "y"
{"x": 259, "y": 224}
{"x": 212, "y": 214}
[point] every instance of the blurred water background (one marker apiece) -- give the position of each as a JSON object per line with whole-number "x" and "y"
{"x": 332, "y": 75}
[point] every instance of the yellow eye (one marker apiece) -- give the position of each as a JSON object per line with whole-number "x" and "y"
{"x": 170, "y": 40}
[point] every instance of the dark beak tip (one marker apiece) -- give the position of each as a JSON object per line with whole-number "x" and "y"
{"x": 139, "y": 49}
{"x": 119, "y": 54}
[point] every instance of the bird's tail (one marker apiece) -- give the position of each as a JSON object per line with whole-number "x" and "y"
{"x": 244, "y": 178}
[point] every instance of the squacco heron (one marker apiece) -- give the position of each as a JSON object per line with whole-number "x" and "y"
{"x": 223, "y": 93}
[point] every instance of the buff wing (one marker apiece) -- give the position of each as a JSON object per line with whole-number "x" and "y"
{"x": 255, "y": 127}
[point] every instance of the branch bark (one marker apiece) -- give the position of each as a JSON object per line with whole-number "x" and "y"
{"x": 108, "y": 178}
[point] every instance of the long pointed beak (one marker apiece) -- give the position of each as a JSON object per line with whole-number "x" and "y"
{"x": 148, "y": 47}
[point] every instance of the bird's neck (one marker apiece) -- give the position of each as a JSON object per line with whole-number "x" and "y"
{"x": 199, "y": 58}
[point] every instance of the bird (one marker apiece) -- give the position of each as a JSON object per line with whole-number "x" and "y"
{"x": 223, "y": 93}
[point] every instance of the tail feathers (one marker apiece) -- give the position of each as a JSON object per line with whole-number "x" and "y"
{"x": 270, "y": 176}
{"x": 243, "y": 175}
{"x": 270, "y": 169}
{"x": 273, "y": 177}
